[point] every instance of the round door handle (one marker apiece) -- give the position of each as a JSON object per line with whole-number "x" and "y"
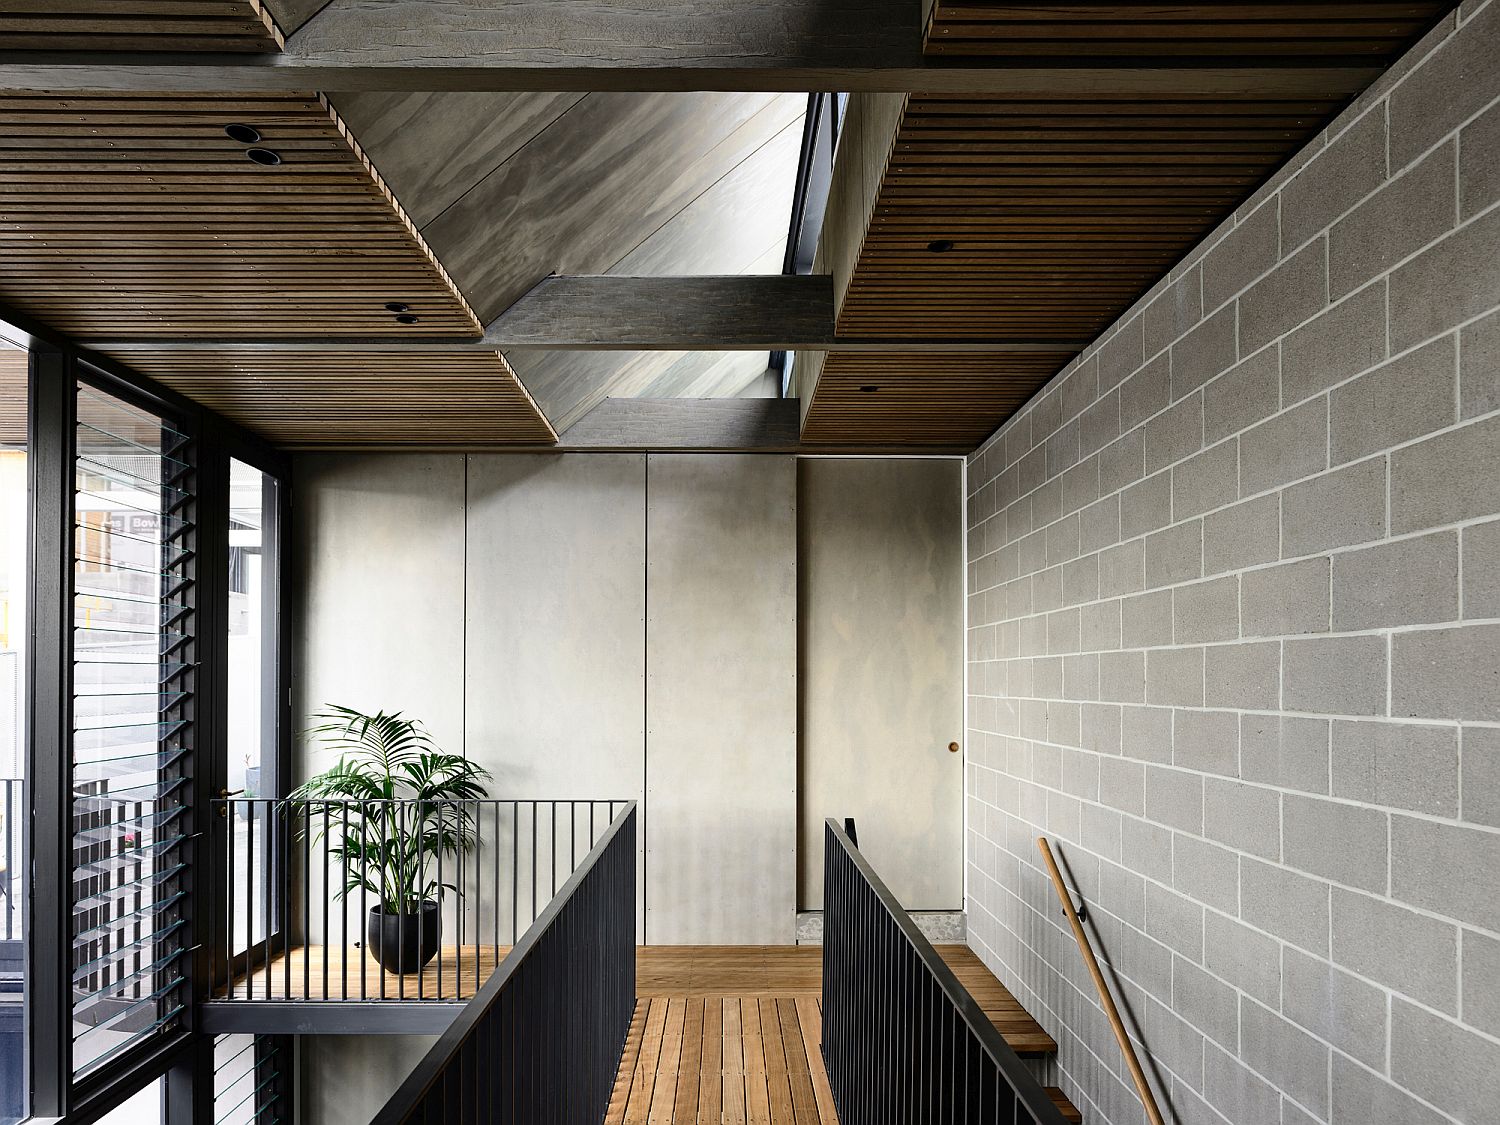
{"x": 953, "y": 748}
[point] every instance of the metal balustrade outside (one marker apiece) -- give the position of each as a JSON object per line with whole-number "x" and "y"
{"x": 290, "y": 931}
{"x": 12, "y": 810}
{"x": 903, "y": 1041}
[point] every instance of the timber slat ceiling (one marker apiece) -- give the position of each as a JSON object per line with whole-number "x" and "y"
{"x": 137, "y": 25}
{"x": 922, "y": 399}
{"x": 1023, "y": 220}
{"x": 129, "y": 216}
{"x": 344, "y": 399}
{"x": 1001, "y": 219}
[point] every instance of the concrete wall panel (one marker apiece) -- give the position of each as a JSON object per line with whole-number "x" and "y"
{"x": 721, "y": 710}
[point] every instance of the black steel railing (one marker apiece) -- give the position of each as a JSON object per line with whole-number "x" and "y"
{"x": 902, "y": 1039}
{"x": 308, "y": 881}
{"x": 12, "y": 806}
{"x": 542, "y": 1040}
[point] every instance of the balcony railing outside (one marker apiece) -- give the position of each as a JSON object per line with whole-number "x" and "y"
{"x": 292, "y": 929}
{"x": 12, "y": 804}
{"x": 902, "y": 1039}
{"x": 540, "y": 1043}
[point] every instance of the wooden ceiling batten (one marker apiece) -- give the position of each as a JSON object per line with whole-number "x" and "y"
{"x": 333, "y": 400}
{"x": 137, "y": 216}
{"x": 1044, "y": 215}
{"x": 242, "y": 26}
{"x": 922, "y": 399}
{"x": 1053, "y": 233}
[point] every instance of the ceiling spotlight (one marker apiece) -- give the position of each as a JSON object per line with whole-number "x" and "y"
{"x": 245, "y": 134}
{"x": 869, "y": 388}
{"x": 397, "y": 306}
{"x": 407, "y": 318}
{"x": 263, "y": 156}
{"x": 940, "y": 245}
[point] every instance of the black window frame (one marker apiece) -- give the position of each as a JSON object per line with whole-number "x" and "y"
{"x": 57, "y": 366}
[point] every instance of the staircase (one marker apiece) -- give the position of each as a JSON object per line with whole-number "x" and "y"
{"x": 731, "y": 1034}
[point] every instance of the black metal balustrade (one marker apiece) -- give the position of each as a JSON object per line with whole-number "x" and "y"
{"x": 903, "y": 1041}
{"x": 540, "y": 1043}
{"x": 295, "y": 922}
{"x": 12, "y": 804}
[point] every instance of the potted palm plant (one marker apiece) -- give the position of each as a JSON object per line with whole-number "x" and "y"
{"x": 405, "y": 807}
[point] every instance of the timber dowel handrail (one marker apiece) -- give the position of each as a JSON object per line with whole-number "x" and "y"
{"x": 1148, "y": 1100}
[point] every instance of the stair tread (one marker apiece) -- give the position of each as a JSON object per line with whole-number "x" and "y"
{"x": 1065, "y": 1107}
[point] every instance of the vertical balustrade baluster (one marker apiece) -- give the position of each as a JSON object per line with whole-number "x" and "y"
{"x": 515, "y": 869}
{"x": 227, "y": 810}
{"x": 249, "y": 899}
{"x": 363, "y": 922}
{"x": 344, "y": 900}
{"x": 307, "y": 828}
{"x": 438, "y": 837}
{"x": 283, "y": 851}
{"x": 327, "y": 945}
{"x": 495, "y": 896}
{"x": 458, "y": 906}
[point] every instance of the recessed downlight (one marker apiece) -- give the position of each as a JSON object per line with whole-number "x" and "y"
{"x": 263, "y": 156}
{"x": 245, "y": 134}
{"x": 397, "y": 307}
{"x": 869, "y": 388}
{"x": 407, "y": 318}
{"x": 940, "y": 245}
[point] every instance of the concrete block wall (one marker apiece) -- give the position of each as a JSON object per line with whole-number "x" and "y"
{"x": 1234, "y": 642}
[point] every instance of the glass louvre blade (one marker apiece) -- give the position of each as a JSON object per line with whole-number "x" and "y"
{"x": 111, "y": 573}
{"x": 128, "y": 474}
{"x": 125, "y": 765}
{"x": 106, "y": 731}
{"x": 142, "y": 793}
{"x": 92, "y": 500}
{"x": 122, "y": 952}
{"x": 120, "y": 891}
{"x": 112, "y": 831}
{"x": 116, "y": 922}
{"x": 248, "y": 1079}
{"x": 116, "y": 422}
{"x": 126, "y": 609}
{"x": 104, "y": 867}
{"x": 264, "y": 1083}
{"x": 131, "y": 742}
{"x": 82, "y": 1065}
{"x": 98, "y": 673}
{"x": 124, "y": 1013}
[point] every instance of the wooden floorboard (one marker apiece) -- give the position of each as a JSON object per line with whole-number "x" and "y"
{"x": 762, "y": 972}
{"x": 319, "y": 973}
{"x": 722, "y": 1034}
{"x": 730, "y": 1035}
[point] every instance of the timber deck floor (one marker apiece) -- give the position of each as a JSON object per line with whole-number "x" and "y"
{"x": 316, "y": 972}
{"x": 722, "y": 1035}
{"x": 728, "y": 1035}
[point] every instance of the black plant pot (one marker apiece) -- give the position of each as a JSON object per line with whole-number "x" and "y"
{"x": 404, "y": 943}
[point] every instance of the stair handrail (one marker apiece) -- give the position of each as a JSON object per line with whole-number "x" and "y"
{"x": 1085, "y": 947}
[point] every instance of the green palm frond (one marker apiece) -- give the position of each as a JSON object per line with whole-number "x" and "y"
{"x": 398, "y": 804}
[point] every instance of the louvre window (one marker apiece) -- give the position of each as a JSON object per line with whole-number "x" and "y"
{"x": 132, "y": 729}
